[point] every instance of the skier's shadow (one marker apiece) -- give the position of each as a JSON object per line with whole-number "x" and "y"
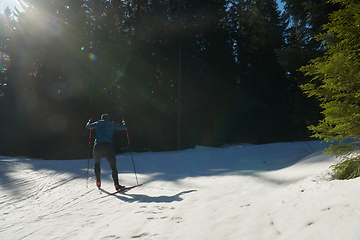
{"x": 148, "y": 199}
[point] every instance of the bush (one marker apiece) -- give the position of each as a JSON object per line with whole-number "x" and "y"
{"x": 347, "y": 169}
{"x": 336, "y": 85}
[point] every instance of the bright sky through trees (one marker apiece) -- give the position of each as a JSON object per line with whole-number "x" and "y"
{"x": 15, "y": 3}
{"x": 9, "y": 3}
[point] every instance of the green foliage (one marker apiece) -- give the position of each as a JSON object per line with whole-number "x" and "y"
{"x": 347, "y": 169}
{"x": 304, "y": 20}
{"x": 232, "y": 87}
{"x": 336, "y": 84}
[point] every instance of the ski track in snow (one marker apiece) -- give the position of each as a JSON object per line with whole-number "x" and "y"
{"x": 273, "y": 191}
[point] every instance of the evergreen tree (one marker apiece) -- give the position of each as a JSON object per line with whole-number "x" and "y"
{"x": 261, "y": 109}
{"x": 335, "y": 83}
{"x": 76, "y": 59}
{"x": 304, "y": 20}
{"x": 5, "y": 62}
{"x": 48, "y": 80}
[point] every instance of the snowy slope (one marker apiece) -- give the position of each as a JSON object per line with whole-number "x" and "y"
{"x": 250, "y": 192}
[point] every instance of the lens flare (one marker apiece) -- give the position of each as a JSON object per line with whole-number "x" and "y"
{"x": 92, "y": 56}
{"x": 49, "y": 25}
{"x": 82, "y": 48}
{"x": 4, "y": 61}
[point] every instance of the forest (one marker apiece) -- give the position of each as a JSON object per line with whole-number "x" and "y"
{"x": 180, "y": 72}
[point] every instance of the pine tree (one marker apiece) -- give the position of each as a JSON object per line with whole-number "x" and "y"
{"x": 336, "y": 83}
{"x": 304, "y": 20}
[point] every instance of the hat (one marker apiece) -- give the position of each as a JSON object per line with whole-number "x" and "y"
{"x": 105, "y": 117}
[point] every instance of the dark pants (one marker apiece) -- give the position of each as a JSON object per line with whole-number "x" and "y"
{"x": 107, "y": 150}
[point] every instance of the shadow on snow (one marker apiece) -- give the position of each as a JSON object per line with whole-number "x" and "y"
{"x": 17, "y": 174}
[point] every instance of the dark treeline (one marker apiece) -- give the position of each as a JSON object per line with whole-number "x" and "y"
{"x": 65, "y": 61}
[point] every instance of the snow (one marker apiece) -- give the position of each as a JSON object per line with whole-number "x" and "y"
{"x": 253, "y": 192}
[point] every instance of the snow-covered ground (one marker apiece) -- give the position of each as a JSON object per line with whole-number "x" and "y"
{"x": 251, "y": 192}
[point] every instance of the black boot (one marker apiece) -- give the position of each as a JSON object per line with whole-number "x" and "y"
{"x": 119, "y": 187}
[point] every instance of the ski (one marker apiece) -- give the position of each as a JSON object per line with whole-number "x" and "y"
{"x": 122, "y": 190}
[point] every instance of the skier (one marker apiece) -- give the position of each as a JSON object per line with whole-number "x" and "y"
{"x": 103, "y": 146}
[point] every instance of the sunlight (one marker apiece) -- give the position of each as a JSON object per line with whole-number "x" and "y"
{"x": 12, "y": 4}
{"x": 4, "y": 61}
{"x": 49, "y": 25}
{"x": 44, "y": 23}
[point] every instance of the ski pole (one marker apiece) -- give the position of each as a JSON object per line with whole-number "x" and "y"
{"x": 87, "y": 174}
{"x": 127, "y": 135}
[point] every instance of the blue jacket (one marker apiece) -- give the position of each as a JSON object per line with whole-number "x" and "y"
{"x": 104, "y": 130}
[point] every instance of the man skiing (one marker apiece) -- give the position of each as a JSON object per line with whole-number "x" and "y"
{"x": 103, "y": 146}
